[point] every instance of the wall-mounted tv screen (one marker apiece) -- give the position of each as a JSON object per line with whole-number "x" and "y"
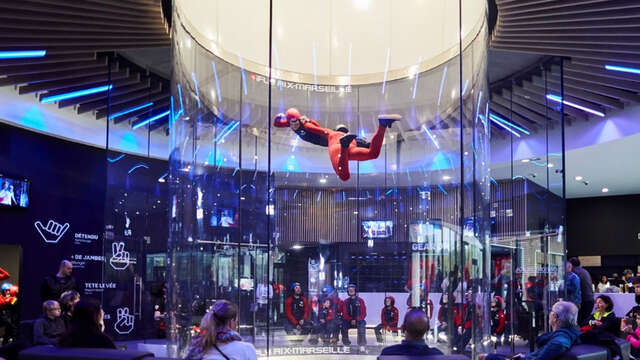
{"x": 222, "y": 217}
{"x": 14, "y": 192}
{"x": 377, "y": 229}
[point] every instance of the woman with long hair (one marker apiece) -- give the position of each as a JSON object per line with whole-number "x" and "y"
{"x": 68, "y": 300}
{"x": 218, "y": 338}
{"x": 85, "y": 329}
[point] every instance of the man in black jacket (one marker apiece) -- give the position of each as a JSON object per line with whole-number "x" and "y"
{"x": 586, "y": 290}
{"x": 415, "y": 326}
{"x": 53, "y": 286}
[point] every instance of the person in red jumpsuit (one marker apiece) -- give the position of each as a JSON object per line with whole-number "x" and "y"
{"x": 443, "y": 314}
{"x": 354, "y": 312}
{"x": 296, "y": 309}
{"x": 388, "y": 319}
{"x": 4, "y": 274}
{"x": 498, "y": 319}
{"x": 8, "y": 311}
{"x": 342, "y": 146}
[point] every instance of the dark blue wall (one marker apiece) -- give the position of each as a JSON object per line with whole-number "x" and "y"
{"x": 67, "y": 186}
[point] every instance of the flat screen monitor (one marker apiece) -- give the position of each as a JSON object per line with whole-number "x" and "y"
{"x": 223, "y": 217}
{"x": 377, "y": 229}
{"x": 14, "y": 192}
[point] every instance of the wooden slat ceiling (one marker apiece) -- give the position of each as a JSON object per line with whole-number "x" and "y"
{"x": 588, "y": 34}
{"x": 78, "y": 37}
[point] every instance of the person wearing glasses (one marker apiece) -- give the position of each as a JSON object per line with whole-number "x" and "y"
{"x": 563, "y": 320}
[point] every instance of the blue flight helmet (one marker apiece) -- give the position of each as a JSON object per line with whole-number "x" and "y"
{"x": 327, "y": 289}
{"x": 352, "y": 286}
{"x": 294, "y": 284}
{"x": 6, "y": 286}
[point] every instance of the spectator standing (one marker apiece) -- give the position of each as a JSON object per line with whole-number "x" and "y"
{"x": 53, "y": 286}
{"x": 586, "y": 289}
{"x": 573, "y": 286}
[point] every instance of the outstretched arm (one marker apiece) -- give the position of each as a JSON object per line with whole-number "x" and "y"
{"x": 280, "y": 121}
{"x": 313, "y": 127}
{"x": 4, "y": 274}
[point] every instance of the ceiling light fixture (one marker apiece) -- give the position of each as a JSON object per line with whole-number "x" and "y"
{"x": 578, "y": 178}
{"x": 151, "y": 119}
{"x": 503, "y": 126}
{"x": 75, "y": 94}
{"x": 130, "y": 110}
{"x": 605, "y": 190}
{"x": 623, "y": 69}
{"x": 557, "y": 98}
{"x": 22, "y": 54}
{"x": 511, "y": 124}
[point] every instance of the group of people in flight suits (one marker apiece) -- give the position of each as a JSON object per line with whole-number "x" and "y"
{"x": 335, "y": 317}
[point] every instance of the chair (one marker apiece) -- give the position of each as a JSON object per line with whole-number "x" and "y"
{"x": 432, "y": 357}
{"x": 48, "y": 352}
{"x": 25, "y": 332}
{"x": 585, "y": 352}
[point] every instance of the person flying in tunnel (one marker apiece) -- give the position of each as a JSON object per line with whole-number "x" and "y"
{"x": 342, "y": 146}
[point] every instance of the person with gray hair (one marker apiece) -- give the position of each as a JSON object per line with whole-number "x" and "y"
{"x": 563, "y": 320}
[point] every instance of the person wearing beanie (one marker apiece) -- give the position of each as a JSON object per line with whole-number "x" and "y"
{"x": 354, "y": 312}
{"x": 296, "y": 309}
{"x": 388, "y": 319}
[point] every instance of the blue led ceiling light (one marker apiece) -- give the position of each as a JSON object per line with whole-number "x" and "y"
{"x": 75, "y": 94}
{"x": 151, "y": 119}
{"x": 22, "y": 54}
{"x": 557, "y": 98}
{"x": 504, "y": 126}
{"x": 124, "y": 112}
{"x": 623, "y": 69}
{"x": 493, "y": 116}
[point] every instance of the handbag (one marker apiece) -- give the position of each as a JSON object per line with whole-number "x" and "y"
{"x": 221, "y": 353}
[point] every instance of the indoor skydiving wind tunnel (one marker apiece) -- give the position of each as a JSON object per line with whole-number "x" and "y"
{"x": 270, "y": 102}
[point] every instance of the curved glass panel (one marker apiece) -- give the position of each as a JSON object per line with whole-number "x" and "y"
{"x": 379, "y": 188}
